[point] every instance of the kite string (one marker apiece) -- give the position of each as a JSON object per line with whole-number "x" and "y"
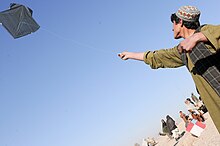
{"x": 74, "y": 41}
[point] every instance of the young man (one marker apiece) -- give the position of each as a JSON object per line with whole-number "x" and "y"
{"x": 198, "y": 41}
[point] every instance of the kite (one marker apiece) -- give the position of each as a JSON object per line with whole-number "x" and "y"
{"x": 18, "y": 20}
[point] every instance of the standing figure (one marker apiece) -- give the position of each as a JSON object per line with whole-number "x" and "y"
{"x": 198, "y": 103}
{"x": 165, "y": 130}
{"x": 185, "y": 118}
{"x": 172, "y": 128}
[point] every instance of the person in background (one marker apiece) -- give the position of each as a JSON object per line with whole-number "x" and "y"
{"x": 195, "y": 113}
{"x": 185, "y": 118}
{"x": 195, "y": 116}
{"x": 202, "y": 108}
{"x": 151, "y": 141}
{"x": 172, "y": 128}
{"x": 198, "y": 103}
{"x": 165, "y": 130}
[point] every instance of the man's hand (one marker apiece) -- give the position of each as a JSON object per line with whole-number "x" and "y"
{"x": 124, "y": 55}
{"x": 131, "y": 55}
{"x": 189, "y": 43}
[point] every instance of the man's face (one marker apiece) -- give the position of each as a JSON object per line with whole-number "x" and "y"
{"x": 176, "y": 30}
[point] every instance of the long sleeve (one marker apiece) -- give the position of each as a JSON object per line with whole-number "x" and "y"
{"x": 164, "y": 58}
{"x": 212, "y": 33}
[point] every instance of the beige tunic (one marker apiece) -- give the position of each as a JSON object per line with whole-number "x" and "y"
{"x": 170, "y": 58}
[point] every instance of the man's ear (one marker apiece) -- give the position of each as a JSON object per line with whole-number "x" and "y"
{"x": 181, "y": 22}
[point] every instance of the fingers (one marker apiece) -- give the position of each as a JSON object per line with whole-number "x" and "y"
{"x": 180, "y": 49}
{"x": 183, "y": 49}
{"x": 186, "y": 45}
{"x": 122, "y": 56}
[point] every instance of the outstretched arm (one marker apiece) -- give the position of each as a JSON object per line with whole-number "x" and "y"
{"x": 132, "y": 55}
{"x": 164, "y": 58}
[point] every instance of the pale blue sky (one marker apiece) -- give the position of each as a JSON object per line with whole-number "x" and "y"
{"x": 64, "y": 85}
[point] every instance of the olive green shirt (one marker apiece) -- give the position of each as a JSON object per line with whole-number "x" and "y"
{"x": 170, "y": 58}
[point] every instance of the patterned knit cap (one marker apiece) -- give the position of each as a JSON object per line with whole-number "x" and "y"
{"x": 188, "y": 13}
